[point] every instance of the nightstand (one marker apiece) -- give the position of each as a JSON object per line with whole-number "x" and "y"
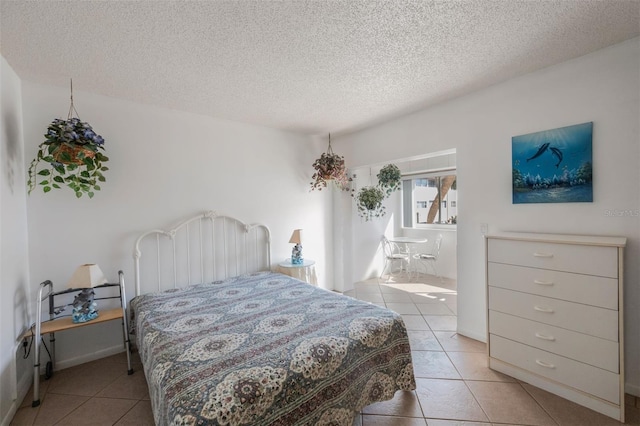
{"x": 304, "y": 272}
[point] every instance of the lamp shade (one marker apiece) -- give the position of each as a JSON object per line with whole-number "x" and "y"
{"x": 87, "y": 276}
{"x": 296, "y": 237}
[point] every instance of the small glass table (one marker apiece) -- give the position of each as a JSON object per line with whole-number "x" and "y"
{"x": 306, "y": 271}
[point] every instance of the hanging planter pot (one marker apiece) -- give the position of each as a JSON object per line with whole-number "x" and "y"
{"x": 330, "y": 167}
{"x": 72, "y": 157}
{"x": 72, "y": 154}
{"x": 369, "y": 202}
{"x": 389, "y": 179}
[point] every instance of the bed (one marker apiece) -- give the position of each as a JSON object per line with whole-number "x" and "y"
{"x": 223, "y": 340}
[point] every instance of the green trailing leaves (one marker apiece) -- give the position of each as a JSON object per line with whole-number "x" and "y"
{"x": 369, "y": 200}
{"x": 59, "y": 168}
{"x": 389, "y": 178}
{"x": 73, "y": 152}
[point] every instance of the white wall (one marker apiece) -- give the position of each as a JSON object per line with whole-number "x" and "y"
{"x": 164, "y": 165}
{"x": 14, "y": 274}
{"x": 603, "y": 87}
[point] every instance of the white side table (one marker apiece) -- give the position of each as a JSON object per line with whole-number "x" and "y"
{"x": 409, "y": 243}
{"x": 304, "y": 272}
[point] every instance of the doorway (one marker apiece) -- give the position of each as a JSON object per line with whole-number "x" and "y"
{"x": 424, "y": 209}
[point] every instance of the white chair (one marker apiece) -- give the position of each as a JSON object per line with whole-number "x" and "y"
{"x": 430, "y": 258}
{"x": 393, "y": 254}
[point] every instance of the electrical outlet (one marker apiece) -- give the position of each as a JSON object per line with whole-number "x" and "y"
{"x": 484, "y": 228}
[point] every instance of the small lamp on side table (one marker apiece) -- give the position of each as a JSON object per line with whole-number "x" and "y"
{"x": 296, "y": 253}
{"x": 85, "y": 277}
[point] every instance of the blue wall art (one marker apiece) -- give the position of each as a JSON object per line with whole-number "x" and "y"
{"x": 553, "y": 166}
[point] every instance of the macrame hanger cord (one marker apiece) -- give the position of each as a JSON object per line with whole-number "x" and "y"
{"x": 329, "y": 150}
{"x": 72, "y": 109}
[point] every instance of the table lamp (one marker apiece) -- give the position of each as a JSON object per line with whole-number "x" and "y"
{"x": 296, "y": 253}
{"x": 85, "y": 277}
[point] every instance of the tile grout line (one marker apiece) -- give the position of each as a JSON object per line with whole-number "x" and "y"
{"x": 462, "y": 379}
{"x": 556, "y": 421}
{"x": 430, "y": 329}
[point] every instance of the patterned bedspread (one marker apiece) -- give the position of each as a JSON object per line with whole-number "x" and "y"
{"x": 266, "y": 349}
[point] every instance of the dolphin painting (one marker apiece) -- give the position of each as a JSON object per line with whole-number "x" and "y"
{"x": 557, "y": 153}
{"x": 541, "y": 151}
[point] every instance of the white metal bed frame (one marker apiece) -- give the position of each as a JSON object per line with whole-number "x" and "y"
{"x": 201, "y": 249}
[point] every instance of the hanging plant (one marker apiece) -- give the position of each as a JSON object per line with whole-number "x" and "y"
{"x": 330, "y": 167}
{"x": 389, "y": 178}
{"x": 72, "y": 157}
{"x": 369, "y": 201}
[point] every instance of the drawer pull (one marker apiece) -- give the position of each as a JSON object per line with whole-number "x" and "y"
{"x": 546, "y": 255}
{"x": 544, "y": 337}
{"x": 544, "y": 364}
{"x": 544, "y": 309}
{"x": 543, "y": 282}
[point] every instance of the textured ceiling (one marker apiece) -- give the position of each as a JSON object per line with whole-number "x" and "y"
{"x": 307, "y": 66}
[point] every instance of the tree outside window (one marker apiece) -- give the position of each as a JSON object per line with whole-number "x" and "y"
{"x": 430, "y": 199}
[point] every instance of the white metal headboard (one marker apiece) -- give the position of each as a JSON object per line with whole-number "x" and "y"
{"x": 201, "y": 249}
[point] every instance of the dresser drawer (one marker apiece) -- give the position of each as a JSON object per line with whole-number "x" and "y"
{"x": 591, "y": 350}
{"x": 587, "y": 260}
{"x": 586, "y": 378}
{"x": 579, "y": 288}
{"x": 585, "y": 319}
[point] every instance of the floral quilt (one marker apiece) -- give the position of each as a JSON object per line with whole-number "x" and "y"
{"x": 267, "y": 349}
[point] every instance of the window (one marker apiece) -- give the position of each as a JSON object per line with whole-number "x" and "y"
{"x": 430, "y": 198}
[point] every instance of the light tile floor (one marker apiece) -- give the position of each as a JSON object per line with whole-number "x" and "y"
{"x": 455, "y": 387}
{"x": 96, "y": 393}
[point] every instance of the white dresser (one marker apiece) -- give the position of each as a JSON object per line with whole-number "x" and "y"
{"x": 555, "y": 305}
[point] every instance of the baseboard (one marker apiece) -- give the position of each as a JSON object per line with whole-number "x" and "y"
{"x": 472, "y": 334}
{"x": 23, "y": 387}
{"x": 6, "y": 421}
{"x": 632, "y": 389}
{"x": 71, "y": 362}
